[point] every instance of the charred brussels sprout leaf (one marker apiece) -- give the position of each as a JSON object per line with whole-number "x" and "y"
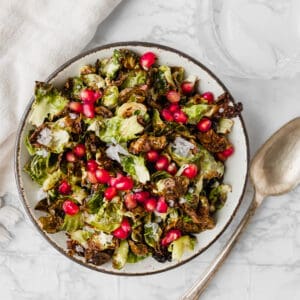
{"x": 81, "y": 236}
{"x": 196, "y": 112}
{"x": 95, "y": 202}
{"x": 120, "y": 130}
{"x": 128, "y": 59}
{"x": 131, "y": 108}
{"x": 179, "y": 246}
{"x": 50, "y": 223}
{"x": 152, "y": 233}
{"x": 218, "y": 195}
{"x": 168, "y": 76}
{"x": 157, "y": 123}
{"x": 160, "y": 175}
{"x": 224, "y": 126}
{"x": 108, "y": 218}
{"x": 72, "y": 223}
{"x": 30, "y": 148}
{"x": 132, "y": 258}
{"x": 37, "y": 167}
{"x": 135, "y": 94}
{"x": 178, "y": 75}
{"x": 134, "y": 78}
{"x": 135, "y": 166}
{"x": 48, "y": 103}
{"x": 73, "y": 87}
{"x": 51, "y": 180}
{"x": 42, "y": 205}
{"x": 120, "y": 255}
{"x": 110, "y": 97}
{"x": 93, "y": 81}
{"x": 110, "y": 67}
{"x": 160, "y": 84}
{"x": 87, "y": 69}
{"x": 209, "y": 167}
{"x": 78, "y": 193}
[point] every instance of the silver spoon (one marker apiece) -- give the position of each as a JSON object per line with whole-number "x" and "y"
{"x": 275, "y": 170}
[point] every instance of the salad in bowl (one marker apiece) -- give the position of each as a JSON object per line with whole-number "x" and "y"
{"x": 130, "y": 159}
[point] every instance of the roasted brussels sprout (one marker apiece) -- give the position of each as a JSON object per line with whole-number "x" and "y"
{"x": 110, "y": 97}
{"x": 120, "y": 255}
{"x": 48, "y": 103}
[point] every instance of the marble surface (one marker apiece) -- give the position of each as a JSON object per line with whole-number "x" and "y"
{"x": 264, "y": 265}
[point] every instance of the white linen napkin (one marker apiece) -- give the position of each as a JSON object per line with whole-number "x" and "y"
{"x": 36, "y": 37}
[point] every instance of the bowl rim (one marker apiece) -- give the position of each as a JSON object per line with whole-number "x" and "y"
{"x": 22, "y": 124}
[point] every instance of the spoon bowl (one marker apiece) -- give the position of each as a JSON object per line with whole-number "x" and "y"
{"x": 275, "y": 169}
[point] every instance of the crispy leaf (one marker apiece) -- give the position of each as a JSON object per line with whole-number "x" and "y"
{"x": 179, "y": 246}
{"x": 72, "y": 223}
{"x": 48, "y": 103}
{"x": 108, "y": 218}
{"x": 120, "y": 255}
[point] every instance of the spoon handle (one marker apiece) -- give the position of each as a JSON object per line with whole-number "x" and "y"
{"x": 196, "y": 290}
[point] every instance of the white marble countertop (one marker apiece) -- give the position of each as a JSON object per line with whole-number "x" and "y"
{"x": 264, "y": 265}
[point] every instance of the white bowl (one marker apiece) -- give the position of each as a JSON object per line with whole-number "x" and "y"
{"x": 236, "y": 166}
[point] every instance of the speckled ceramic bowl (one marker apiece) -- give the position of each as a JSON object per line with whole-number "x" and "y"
{"x": 236, "y": 166}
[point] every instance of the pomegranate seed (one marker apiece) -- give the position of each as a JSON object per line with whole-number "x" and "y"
{"x": 129, "y": 201}
{"x": 91, "y": 177}
{"x": 220, "y": 156}
{"x": 171, "y": 236}
{"x": 208, "y": 96}
{"x": 150, "y": 204}
{"x": 97, "y": 95}
{"x": 152, "y": 155}
{"x": 173, "y": 96}
{"x": 172, "y": 169}
{"x": 141, "y": 196}
{"x": 102, "y": 176}
{"x": 76, "y": 107}
{"x": 70, "y": 208}
{"x": 173, "y": 107}
{"x": 161, "y": 206}
{"x": 180, "y": 117}
{"x": 64, "y": 187}
{"x": 204, "y": 124}
{"x": 79, "y": 150}
{"x": 88, "y": 110}
{"x": 87, "y": 96}
{"x": 162, "y": 163}
{"x": 114, "y": 180}
{"x": 190, "y": 171}
{"x": 110, "y": 192}
{"x": 187, "y": 87}
{"x": 227, "y": 152}
{"x": 124, "y": 184}
{"x": 167, "y": 115}
{"x": 92, "y": 165}
{"x": 125, "y": 225}
{"x": 70, "y": 156}
{"x": 120, "y": 233}
{"x": 147, "y": 60}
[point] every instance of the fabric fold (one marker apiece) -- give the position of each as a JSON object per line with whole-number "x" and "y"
{"x": 36, "y": 37}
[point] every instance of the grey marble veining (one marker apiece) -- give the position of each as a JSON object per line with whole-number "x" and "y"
{"x": 264, "y": 265}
